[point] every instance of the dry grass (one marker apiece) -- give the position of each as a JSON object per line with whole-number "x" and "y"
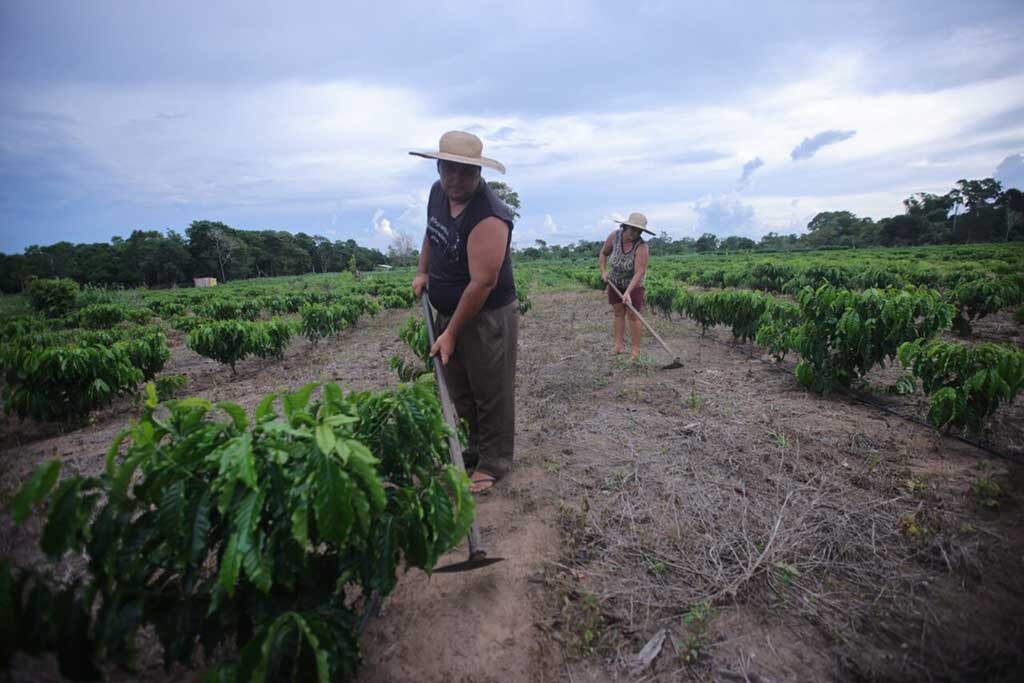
{"x": 690, "y": 489}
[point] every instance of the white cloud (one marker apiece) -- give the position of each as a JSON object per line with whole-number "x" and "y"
{"x": 292, "y": 139}
{"x": 338, "y": 150}
{"x": 251, "y": 145}
{"x": 1010, "y": 172}
{"x": 382, "y": 226}
{"x": 724, "y": 215}
{"x": 413, "y": 218}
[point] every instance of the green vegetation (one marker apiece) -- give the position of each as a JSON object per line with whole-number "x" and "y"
{"x": 67, "y": 374}
{"x": 414, "y": 333}
{"x": 231, "y": 341}
{"x": 966, "y": 384}
{"x": 168, "y": 386}
{"x": 245, "y": 536}
{"x": 52, "y": 298}
{"x": 260, "y": 538}
{"x": 695, "y": 638}
{"x": 845, "y": 334}
{"x": 321, "y": 320}
{"x": 972, "y": 212}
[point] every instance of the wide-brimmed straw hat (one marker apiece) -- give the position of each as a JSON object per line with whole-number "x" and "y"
{"x": 637, "y": 220}
{"x": 462, "y": 148}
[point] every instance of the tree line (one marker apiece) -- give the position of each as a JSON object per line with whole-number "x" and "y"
{"x": 207, "y": 249}
{"x": 973, "y": 211}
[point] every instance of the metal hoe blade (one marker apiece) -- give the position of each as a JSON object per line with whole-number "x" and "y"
{"x": 468, "y": 565}
{"x": 477, "y": 555}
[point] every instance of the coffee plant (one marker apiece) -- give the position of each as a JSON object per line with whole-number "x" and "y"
{"x": 100, "y": 316}
{"x": 967, "y": 384}
{"x": 65, "y": 382}
{"x": 323, "y": 320}
{"x": 976, "y": 299}
{"x": 414, "y": 333}
{"x": 52, "y": 298}
{"x": 844, "y": 334}
{"x": 231, "y": 341}
{"x": 260, "y": 541}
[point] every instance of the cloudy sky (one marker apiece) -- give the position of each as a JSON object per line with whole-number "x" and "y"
{"x": 734, "y": 118}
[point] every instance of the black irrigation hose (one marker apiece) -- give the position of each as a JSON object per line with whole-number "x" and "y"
{"x": 874, "y": 404}
{"x": 916, "y": 420}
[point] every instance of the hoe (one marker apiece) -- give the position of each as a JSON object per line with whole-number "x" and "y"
{"x": 676, "y": 363}
{"x": 477, "y": 555}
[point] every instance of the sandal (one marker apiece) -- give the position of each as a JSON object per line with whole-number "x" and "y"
{"x": 481, "y": 482}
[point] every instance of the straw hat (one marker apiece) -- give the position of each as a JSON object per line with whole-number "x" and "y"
{"x": 637, "y": 220}
{"x": 463, "y": 148}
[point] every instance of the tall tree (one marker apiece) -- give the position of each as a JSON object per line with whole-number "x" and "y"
{"x": 706, "y": 242}
{"x": 402, "y": 250}
{"x": 507, "y": 195}
{"x": 983, "y": 219}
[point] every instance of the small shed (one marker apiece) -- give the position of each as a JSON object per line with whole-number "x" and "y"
{"x": 205, "y": 281}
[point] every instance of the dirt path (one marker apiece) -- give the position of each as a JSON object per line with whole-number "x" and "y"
{"x": 837, "y": 542}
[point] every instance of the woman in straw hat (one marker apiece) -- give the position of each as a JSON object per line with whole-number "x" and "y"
{"x": 625, "y": 255}
{"x": 466, "y": 265}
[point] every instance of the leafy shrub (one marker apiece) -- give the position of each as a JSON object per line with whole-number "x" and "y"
{"x": 371, "y": 307}
{"x": 275, "y": 305}
{"x": 52, "y": 298}
{"x": 414, "y": 333}
{"x": 228, "y": 310}
{"x": 589, "y": 278}
{"x": 187, "y": 323}
{"x": 21, "y": 325}
{"x": 100, "y": 316}
{"x": 225, "y": 341}
{"x": 322, "y": 320}
{"x": 768, "y": 276}
{"x": 139, "y": 316}
{"x": 660, "y": 295}
{"x": 966, "y": 384}
{"x": 148, "y": 352}
{"x": 64, "y": 382}
{"x": 166, "y": 309}
{"x": 271, "y": 338}
{"x": 845, "y": 334}
{"x": 240, "y": 537}
{"x": 95, "y": 294}
{"x": 523, "y": 289}
{"x": 230, "y": 341}
{"x": 776, "y": 327}
{"x": 975, "y": 299}
{"x": 168, "y": 386}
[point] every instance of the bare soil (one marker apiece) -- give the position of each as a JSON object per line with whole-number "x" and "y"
{"x": 773, "y": 534}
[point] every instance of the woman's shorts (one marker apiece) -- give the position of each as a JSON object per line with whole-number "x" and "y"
{"x": 636, "y": 297}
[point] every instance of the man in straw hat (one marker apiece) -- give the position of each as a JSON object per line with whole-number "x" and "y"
{"x": 626, "y": 253}
{"x": 465, "y": 263}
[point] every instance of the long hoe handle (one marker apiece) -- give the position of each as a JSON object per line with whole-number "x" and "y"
{"x": 476, "y": 549}
{"x": 629, "y": 305}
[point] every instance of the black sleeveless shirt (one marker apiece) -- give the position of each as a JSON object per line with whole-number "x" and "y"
{"x": 449, "y": 260}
